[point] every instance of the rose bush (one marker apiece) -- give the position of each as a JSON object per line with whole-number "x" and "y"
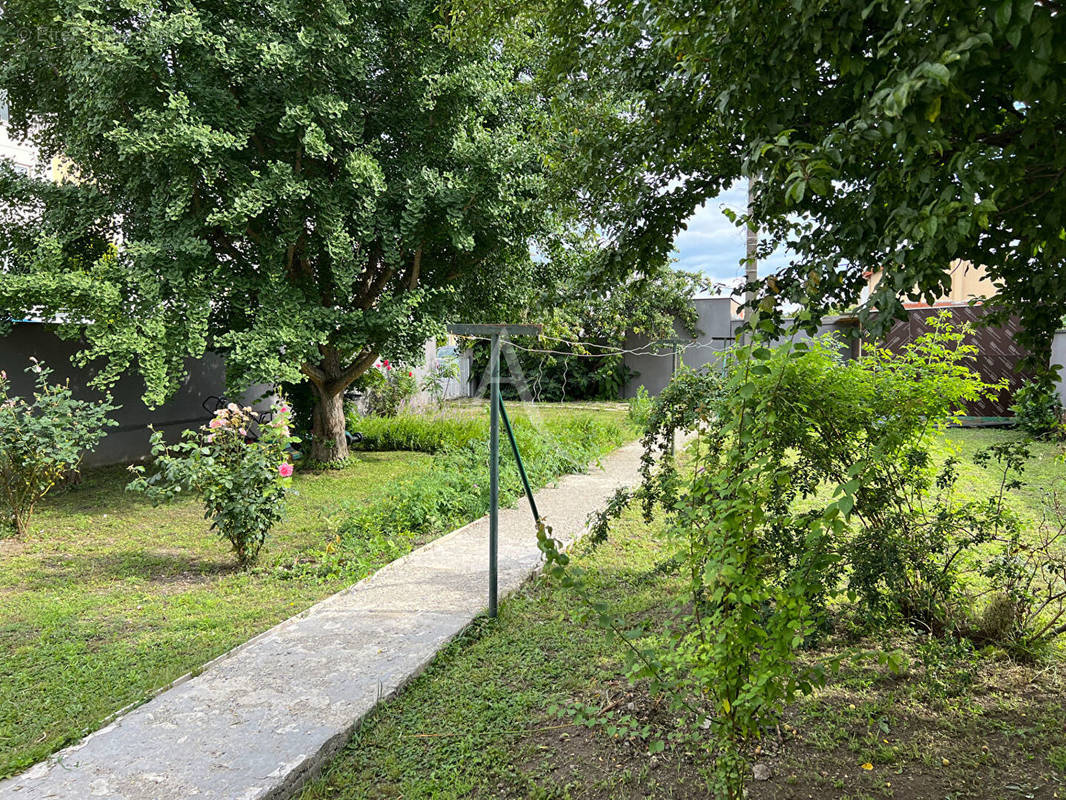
{"x": 41, "y": 440}
{"x": 387, "y": 387}
{"x": 239, "y": 465}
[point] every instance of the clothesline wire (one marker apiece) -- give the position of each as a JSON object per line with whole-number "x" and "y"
{"x": 646, "y": 350}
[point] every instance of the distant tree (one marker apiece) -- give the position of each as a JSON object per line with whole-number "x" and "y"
{"x": 897, "y": 135}
{"x": 299, "y": 185}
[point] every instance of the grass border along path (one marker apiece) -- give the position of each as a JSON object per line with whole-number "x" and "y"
{"x": 109, "y": 598}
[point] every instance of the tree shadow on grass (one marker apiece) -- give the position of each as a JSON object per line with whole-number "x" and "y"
{"x": 162, "y": 569}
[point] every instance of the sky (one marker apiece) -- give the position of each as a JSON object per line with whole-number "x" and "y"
{"x": 713, "y": 245}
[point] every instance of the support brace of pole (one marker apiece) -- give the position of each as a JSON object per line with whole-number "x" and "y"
{"x": 496, "y": 333}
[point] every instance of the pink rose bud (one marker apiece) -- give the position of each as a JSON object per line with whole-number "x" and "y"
{"x": 284, "y": 409}
{"x": 285, "y": 470}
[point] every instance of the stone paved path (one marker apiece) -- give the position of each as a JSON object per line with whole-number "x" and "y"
{"x": 257, "y": 722}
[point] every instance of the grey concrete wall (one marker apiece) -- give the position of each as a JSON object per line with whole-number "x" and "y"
{"x": 654, "y": 365}
{"x": 718, "y": 328}
{"x": 129, "y": 441}
{"x": 1058, "y": 356}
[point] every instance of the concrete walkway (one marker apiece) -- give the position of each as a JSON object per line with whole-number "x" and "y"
{"x": 260, "y": 720}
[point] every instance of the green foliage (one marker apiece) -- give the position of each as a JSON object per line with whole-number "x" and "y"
{"x": 763, "y": 548}
{"x": 455, "y": 489}
{"x": 418, "y": 432}
{"x": 42, "y": 440}
{"x": 386, "y": 388}
{"x": 640, "y": 409}
{"x": 437, "y": 381}
{"x": 1038, "y": 411}
{"x": 238, "y": 465}
{"x": 680, "y": 407}
{"x": 587, "y": 318}
{"x": 896, "y": 135}
{"x": 948, "y": 666}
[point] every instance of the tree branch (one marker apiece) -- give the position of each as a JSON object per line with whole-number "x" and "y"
{"x": 416, "y": 268}
{"x": 357, "y": 368}
{"x": 317, "y": 376}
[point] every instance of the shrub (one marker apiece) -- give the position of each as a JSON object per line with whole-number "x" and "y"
{"x": 1038, "y": 411}
{"x": 440, "y": 377}
{"x": 640, "y": 409}
{"x": 763, "y": 547}
{"x": 387, "y": 386}
{"x": 43, "y": 440}
{"x": 238, "y": 466}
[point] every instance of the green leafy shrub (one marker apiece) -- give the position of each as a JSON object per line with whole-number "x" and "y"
{"x": 1038, "y": 411}
{"x": 418, "y": 432}
{"x": 238, "y": 466}
{"x": 386, "y": 387}
{"x": 799, "y": 455}
{"x": 436, "y": 382}
{"x": 42, "y": 440}
{"x": 640, "y": 409}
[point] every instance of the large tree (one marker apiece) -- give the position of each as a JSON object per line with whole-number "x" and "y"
{"x": 894, "y": 135}
{"x": 299, "y": 184}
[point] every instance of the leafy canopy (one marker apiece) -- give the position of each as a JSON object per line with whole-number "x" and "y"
{"x": 900, "y": 135}
{"x": 298, "y": 184}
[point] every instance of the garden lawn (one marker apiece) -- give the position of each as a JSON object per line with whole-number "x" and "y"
{"x": 484, "y": 719}
{"x": 109, "y": 598}
{"x": 1041, "y": 469}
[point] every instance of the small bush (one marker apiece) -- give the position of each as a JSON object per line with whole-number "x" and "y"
{"x": 42, "y": 440}
{"x": 640, "y": 409}
{"x": 387, "y": 386}
{"x": 438, "y": 380}
{"x": 1038, "y": 411}
{"x": 239, "y": 467}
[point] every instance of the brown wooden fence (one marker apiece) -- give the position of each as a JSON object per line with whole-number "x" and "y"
{"x": 998, "y": 351}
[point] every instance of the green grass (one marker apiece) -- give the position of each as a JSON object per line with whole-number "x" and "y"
{"x": 109, "y": 598}
{"x": 480, "y": 723}
{"x": 1040, "y": 472}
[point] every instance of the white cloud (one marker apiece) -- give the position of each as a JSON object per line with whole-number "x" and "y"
{"x": 715, "y": 246}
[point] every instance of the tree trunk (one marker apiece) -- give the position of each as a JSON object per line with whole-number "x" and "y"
{"x": 328, "y": 442}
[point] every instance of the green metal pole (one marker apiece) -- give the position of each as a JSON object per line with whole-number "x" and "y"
{"x": 494, "y": 471}
{"x": 518, "y": 460}
{"x": 673, "y": 372}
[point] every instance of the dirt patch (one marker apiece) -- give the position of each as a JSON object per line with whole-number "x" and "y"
{"x": 1004, "y": 739}
{"x": 10, "y": 546}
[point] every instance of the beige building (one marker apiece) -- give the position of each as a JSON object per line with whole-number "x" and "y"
{"x": 968, "y": 282}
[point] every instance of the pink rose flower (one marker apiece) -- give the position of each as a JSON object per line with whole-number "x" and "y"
{"x": 285, "y": 470}
{"x": 215, "y": 423}
{"x": 283, "y": 410}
